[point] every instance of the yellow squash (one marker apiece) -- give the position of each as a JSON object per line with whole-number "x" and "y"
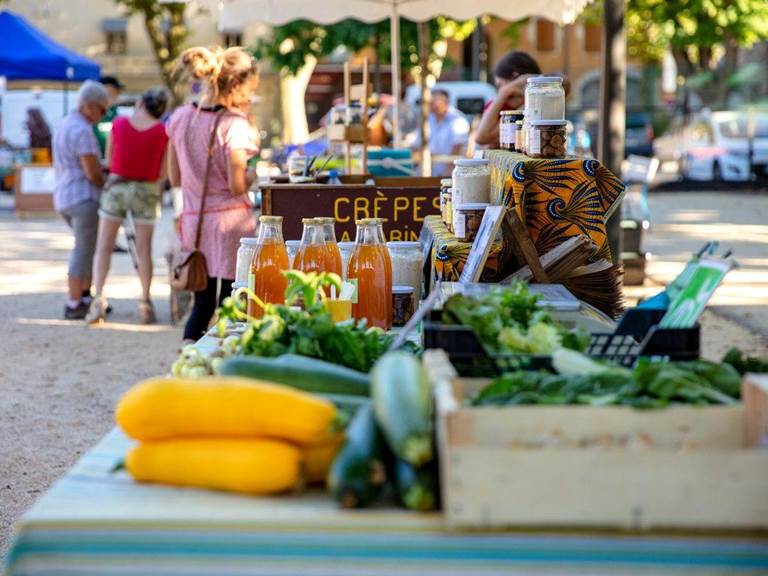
{"x": 252, "y": 466}
{"x": 164, "y": 408}
{"x": 319, "y": 457}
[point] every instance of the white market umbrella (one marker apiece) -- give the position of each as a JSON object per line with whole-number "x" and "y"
{"x": 233, "y": 13}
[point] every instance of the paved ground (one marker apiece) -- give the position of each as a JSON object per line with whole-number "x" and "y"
{"x": 59, "y": 380}
{"x": 683, "y": 222}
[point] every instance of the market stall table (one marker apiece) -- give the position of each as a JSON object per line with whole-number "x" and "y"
{"x": 93, "y": 521}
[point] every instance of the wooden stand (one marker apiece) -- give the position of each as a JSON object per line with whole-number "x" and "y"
{"x": 357, "y": 133}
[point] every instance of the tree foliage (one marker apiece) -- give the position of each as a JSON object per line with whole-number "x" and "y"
{"x": 698, "y": 32}
{"x": 167, "y": 30}
{"x": 292, "y": 44}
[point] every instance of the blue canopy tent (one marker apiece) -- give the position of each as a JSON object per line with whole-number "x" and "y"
{"x": 28, "y": 54}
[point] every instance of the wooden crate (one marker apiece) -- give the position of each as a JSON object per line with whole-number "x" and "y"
{"x": 594, "y": 467}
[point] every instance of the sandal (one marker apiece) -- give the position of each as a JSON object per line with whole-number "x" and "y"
{"x": 147, "y": 312}
{"x": 98, "y": 311}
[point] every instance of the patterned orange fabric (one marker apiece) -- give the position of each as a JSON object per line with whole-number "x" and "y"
{"x": 556, "y": 199}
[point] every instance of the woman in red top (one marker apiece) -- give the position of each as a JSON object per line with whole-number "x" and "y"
{"x": 136, "y": 158}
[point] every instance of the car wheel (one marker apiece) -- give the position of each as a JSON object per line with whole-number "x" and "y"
{"x": 717, "y": 173}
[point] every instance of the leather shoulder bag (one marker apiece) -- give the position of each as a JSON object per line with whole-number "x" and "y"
{"x": 189, "y": 270}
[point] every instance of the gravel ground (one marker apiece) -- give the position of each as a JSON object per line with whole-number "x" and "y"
{"x": 60, "y": 379}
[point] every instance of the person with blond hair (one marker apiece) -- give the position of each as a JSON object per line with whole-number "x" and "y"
{"x": 136, "y": 159}
{"x": 230, "y": 78}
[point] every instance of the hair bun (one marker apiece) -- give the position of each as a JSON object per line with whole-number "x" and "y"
{"x": 200, "y": 62}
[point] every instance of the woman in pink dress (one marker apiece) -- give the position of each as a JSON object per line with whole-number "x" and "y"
{"x": 231, "y": 77}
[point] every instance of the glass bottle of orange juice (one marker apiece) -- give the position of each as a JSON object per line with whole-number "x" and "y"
{"x": 269, "y": 260}
{"x": 311, "y": 256}
{"x": 333, "y": 254}
{"x": 371, "y": 268}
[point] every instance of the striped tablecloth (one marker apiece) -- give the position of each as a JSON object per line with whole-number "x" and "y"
{"x": 93, "y": 522}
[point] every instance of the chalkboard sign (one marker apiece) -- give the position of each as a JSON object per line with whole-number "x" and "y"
{"x": 489, "y": 229}
{"x": 402, "y": 208}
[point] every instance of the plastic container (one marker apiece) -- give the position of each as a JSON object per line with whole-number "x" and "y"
{"x": 508, "y": 127}
{"x": 472, "y": 180}
{"x": 371, "y": 268}
{"x": 244, "y": 255}
{"x": 402, "y": 304}
{"x": 548, "y": 139}
{"x": 407, "y": 265}
{"x": 269, "y": 261}
{"x": 467, "y": 220}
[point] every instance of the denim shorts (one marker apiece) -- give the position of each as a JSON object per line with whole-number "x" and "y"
{"x": 141, "y": 198}
{"x": 83, "y": 218}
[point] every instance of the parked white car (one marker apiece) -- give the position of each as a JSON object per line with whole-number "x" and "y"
{"x": 716, "y": 146}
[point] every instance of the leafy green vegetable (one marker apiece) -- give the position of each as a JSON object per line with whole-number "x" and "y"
{"x": 308, "y": 332}
{"x": 511, "y": 320}
{"x": 744, "y": 364}
{"x": 583, "y": 381}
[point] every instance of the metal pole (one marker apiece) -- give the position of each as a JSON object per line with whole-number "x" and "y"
{"x": 394, "y": 26}
{"x": 426, "y": 156}
{"x": 613, "y": 105}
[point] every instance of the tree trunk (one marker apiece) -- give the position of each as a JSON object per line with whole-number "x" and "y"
{"x": 684, "y": 65}
{"x": 293, "y": 90}
{"x": 727, "y": 69}
{"x": 166, "y": 47}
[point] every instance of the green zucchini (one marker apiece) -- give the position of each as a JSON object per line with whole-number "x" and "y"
{"x": 358, "y": 475}
{"x": 402, "y": 401}
{"x": 417, "y": 488}
{"x": 302, "y": 372}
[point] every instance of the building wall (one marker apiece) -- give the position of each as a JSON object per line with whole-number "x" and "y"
{"x": 575, "y": 49}
{"x": 78, "y": 25}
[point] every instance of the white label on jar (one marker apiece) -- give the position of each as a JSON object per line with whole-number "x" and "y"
{"x": 534, "y": 146}
{"x": 459, "y": 225}
{"x": 506, "y": 134}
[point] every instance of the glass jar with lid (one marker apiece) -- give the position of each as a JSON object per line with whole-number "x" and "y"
{"x": 544, "y": 100}
{"x": 471, "y": 182}
{"x": 244, "y": 256}
{"x": 507, "y": 127}
{"x": 548, "y": 139}
{"x": 407, "y": 265}
{"x": 445, "y": 196}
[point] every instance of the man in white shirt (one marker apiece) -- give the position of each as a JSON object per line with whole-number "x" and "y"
{"x": 448, "y": 131}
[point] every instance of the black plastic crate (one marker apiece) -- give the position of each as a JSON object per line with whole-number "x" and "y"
{"x": 637, "y": 335}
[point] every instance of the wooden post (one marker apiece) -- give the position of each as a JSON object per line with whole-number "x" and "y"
{"x": 613, "y": 105}
{"x": 366, "y": 94}
{"x": 347, "y": 90}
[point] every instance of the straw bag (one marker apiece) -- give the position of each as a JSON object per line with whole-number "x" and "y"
{"x": 189, "y": 270}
